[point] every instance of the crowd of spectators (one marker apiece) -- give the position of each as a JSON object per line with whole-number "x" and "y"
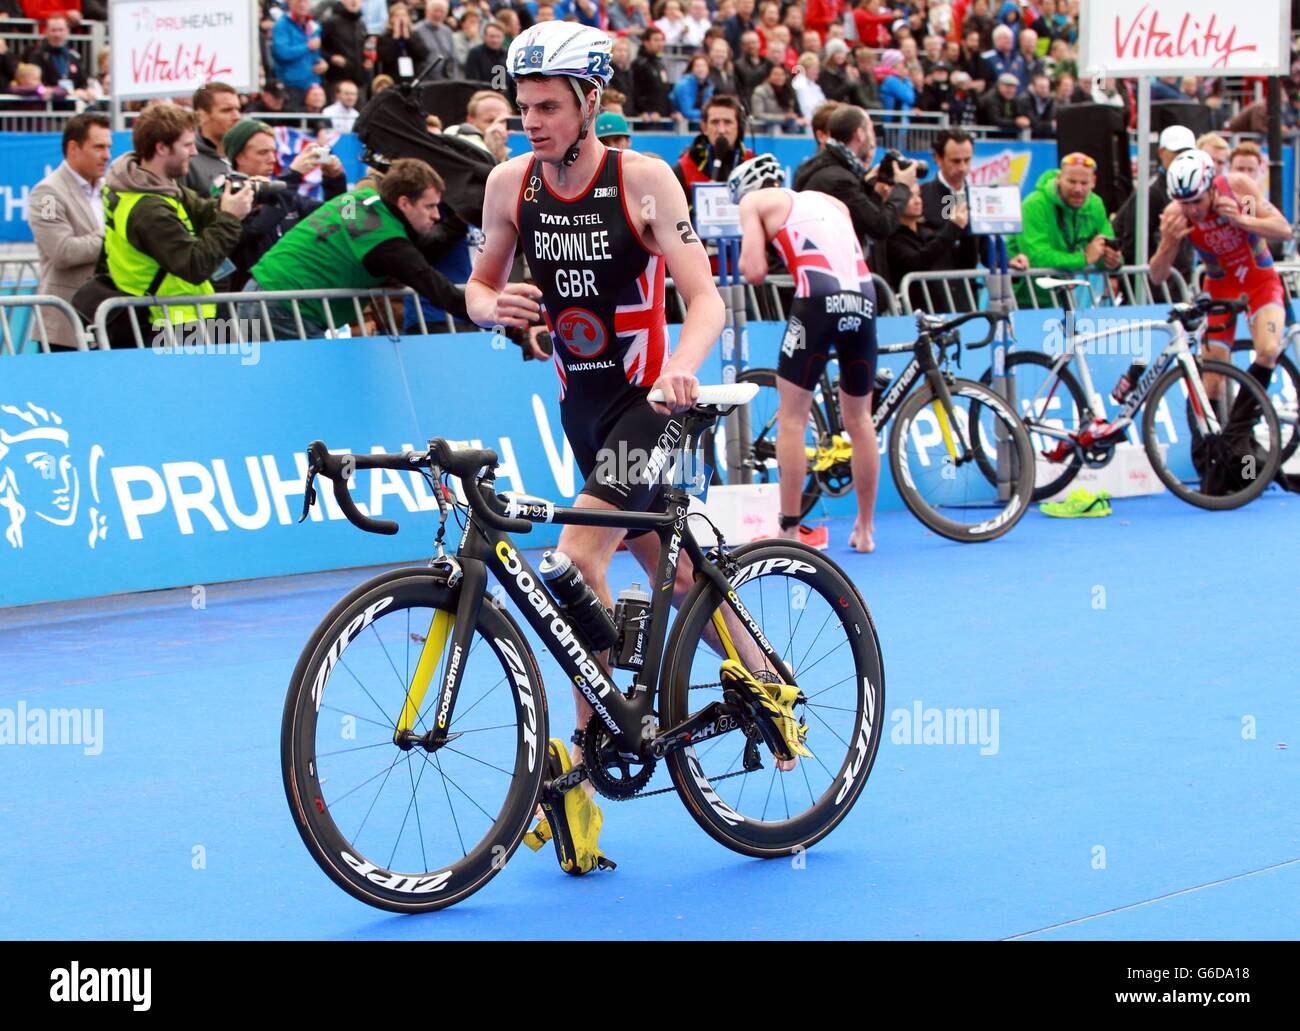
{"x": 709, "y": 69}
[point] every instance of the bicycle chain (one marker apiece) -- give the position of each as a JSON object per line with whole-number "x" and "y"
{"x": 712, "y": 780}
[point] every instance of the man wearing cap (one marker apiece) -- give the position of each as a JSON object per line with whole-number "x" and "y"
{"x": 270, "y": 101}
{"x": 613, "y": 131}
{"x": 1001, "y": 107}
{"x": 1173, "y": 141}
{"x": 251, "y": 148}
{"x": 1064, "y": 226}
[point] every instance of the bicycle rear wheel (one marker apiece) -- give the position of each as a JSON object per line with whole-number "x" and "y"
{"x": 814, "y": 617}
{"x": 1186, "y": 461}
{"x": 411, "y": 830}
{"x": 954, "y": 496}
{"x": 759, "y": 454}
{"x": 1044, "y": 400}
{"x": 1283, "y": 391}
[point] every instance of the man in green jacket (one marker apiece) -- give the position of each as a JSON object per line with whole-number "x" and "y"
{"x": 362, "y": 239}
{"x": 161, "y": 239}
{"x": 1065, "y": 227}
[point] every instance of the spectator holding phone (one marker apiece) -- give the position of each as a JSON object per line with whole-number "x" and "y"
{"x": 1064, "y": 227}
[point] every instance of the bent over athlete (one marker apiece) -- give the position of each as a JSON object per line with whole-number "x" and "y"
{"x": 835, "y": 306}
{"x": 1229, "y": 223}
{"x": 599, "y": 228}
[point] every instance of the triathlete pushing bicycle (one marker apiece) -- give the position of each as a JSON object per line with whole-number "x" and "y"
{"x": 1230, "y": 224}
{"x": 599, "y": 228}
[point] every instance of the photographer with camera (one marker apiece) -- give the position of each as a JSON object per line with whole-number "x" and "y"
{"x": 161, "y": 239}
{"x": 363, "y": 239}
{"x": 277, "y": 203}
{"x": 875, "y": 197}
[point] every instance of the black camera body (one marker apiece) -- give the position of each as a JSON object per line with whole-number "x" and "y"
{"x": 893, "y": 160}
{"x": 265, "y": 190}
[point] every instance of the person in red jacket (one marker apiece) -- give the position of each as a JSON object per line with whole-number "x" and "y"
{"x": 873, "y": 20}
{"x": 42, "y": 9}
{"x": 820, "y": 15}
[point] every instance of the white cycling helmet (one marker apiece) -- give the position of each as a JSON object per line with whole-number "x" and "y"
{"x": 755, "y": 174}
{"x": 578, "y": 52}
{"x": 1190, "y": 175}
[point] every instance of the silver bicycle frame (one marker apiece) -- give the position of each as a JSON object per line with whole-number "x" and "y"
{"x": 1178, "y": 349}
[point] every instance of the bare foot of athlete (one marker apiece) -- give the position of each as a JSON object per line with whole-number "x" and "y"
{"x": 862, "y": 539}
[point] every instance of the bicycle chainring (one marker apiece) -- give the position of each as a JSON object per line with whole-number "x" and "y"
{"x": 610, "y": 774}
{"x": 837, "y": 480}
{"x": 1097, "y": 456}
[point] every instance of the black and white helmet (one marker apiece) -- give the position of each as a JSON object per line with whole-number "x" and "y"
{"x": 755, "y": 174}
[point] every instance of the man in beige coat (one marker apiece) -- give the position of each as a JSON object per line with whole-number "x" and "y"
{"x": 66, "y": 215}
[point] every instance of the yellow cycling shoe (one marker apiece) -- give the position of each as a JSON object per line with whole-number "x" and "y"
{"x": 573, "y": 820}
{"x": 776, "y": 703}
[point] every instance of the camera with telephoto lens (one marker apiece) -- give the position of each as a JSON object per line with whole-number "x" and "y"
{"x": 893, "y": 160}
{"x": 265, "y": 190}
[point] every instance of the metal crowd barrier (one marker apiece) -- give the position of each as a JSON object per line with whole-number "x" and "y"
{"x": 1129, "y": 284}
{"x": 19, "y": 276}
{"x": 14, "y": 338}
{"x": 208, "y": 329}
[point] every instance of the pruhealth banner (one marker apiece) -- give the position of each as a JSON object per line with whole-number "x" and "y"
{"x": 171, "y": 47}
{"x": 139, "y": 469}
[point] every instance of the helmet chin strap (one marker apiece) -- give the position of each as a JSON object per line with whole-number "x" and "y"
{"x": 589, "y": 114}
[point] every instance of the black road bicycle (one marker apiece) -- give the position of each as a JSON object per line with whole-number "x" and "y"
{"x": 415, "y": 730}
{"x": 960, "y": 458}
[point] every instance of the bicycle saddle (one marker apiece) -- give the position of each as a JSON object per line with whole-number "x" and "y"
{"x": 1052, "y": 283}
{"x": 718, "y": 396}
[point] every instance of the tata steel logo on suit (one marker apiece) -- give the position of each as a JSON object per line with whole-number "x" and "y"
{"x": 581, "y": 332}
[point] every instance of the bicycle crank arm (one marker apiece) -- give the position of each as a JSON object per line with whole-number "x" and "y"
{"x": 714, "y": 719}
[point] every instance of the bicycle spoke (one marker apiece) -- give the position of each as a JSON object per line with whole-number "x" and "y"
{"x": 452, "y": 781}
{"x": 808, "y": 669}
{"x": 454, "y": 821}
{"x": 359, "y": 748}
{"x": 508, "y": 773}
{"x": 392, "y": 724}
{"x": 363, "y": 719}
{"x": 798, "y": 667}
{"x": 386, "y": 774}
{"x": 462, "y": 715}
{"x": 832, "y": 730}
{"x": 770, "y": 785}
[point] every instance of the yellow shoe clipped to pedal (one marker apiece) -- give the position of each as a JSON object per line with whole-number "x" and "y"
{"x": 573, "y": 820}
{"x": 776, "y": 703}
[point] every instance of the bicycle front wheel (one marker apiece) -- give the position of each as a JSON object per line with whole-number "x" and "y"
{"x": 411, "y": 830}
{"x": 1220, "y": 470}
{"x": 815, "y": 619}
{"x": 939, "y": 459}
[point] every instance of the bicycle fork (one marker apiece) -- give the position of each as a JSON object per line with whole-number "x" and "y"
{"x": 448, "y": 634}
